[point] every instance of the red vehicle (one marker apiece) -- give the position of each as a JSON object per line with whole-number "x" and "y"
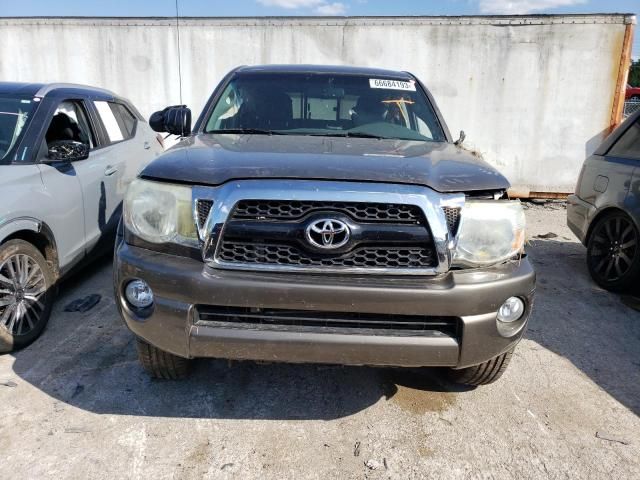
{"x": 632, "y": 93}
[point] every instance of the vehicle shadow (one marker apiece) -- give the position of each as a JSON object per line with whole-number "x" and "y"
{"x": 88, "y": 360}
{"x": 589, "y": 326}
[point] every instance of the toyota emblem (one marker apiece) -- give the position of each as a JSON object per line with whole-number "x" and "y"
{"x": 328, "y": 233}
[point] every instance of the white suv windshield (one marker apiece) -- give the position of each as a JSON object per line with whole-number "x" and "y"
{"x": 327, "y": 105}
{"x": 14, "y": 116}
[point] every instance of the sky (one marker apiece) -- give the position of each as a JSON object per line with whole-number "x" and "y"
{"x": 194, "y": 8}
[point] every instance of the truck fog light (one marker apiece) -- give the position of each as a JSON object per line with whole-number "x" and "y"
{"x": 511, "y": 310}
{"x": 139, "y": 294}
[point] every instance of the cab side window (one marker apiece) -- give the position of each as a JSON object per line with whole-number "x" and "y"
{"x": 70, "y": 122}
{"x": 628, "y": 145}
{"x": 118, "y": 121}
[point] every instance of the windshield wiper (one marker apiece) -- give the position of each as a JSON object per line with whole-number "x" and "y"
{"x": 367, "y": 135}
{"x": 349, "y": 134}
{"x": 248, "y": 131}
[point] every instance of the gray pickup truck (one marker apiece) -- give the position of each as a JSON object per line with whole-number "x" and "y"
{"x": 322, "y": 214}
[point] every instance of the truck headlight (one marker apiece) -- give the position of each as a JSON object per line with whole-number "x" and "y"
{"x": 490, "y": 232}
{"x": 159, "y": 212}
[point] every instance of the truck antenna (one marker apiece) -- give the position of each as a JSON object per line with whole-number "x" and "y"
{"x": 179, "y": 58}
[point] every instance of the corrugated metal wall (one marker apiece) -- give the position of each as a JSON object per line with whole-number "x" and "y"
{"x": 533, "y": 93}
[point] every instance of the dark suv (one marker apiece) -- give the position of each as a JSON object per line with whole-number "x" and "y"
{"x": 604, "y": 212}
{"x": 322, "y": 214}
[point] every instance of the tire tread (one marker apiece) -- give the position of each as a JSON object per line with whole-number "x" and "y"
{"x": 484, "y": 373}
{"x": 161, "y": 364}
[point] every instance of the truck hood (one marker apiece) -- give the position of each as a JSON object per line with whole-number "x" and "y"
{"x": 215, "y": 159}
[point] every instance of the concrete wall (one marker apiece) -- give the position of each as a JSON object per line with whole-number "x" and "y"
{"x": 534, "y": 94}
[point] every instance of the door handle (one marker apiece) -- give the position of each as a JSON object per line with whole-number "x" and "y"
{"x": 110, "y": 170}
{"x": 147, "y": 145}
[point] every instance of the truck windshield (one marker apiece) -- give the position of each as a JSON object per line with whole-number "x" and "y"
{"x": 325, "y": 105}
{"x": 14, "y": 117}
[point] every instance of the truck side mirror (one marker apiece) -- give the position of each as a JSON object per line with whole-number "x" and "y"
{"x": 175, "y": 120}
{"x": 460, "y": 139}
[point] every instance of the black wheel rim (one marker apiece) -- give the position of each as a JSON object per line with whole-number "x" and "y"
{"x": 22, "y": 286}
{"x": 613, "y": 248}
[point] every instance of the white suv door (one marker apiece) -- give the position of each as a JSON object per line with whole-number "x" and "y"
{"x": 89, "y": 208}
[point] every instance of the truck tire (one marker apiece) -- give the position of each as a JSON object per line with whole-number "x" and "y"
{"x": 161, "y": 364}
{"x": 483, "y": 374}
{"x": 27, "y": 291}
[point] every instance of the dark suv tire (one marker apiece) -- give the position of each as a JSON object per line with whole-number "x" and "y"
{"x": 27, "y": 291}
{"x": 483, "y": 374}
{"x": 161, "y": 364}
{"x": 613, "y": 252}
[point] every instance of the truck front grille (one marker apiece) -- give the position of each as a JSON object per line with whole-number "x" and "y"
{"x": 326, "y": 322}
{"x": 321, "y": 226}
{"x": 274, "y": 233}
{"x": 365, "y": 257}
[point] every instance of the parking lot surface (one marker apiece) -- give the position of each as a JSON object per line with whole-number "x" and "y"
{"x": 76, "y": 404}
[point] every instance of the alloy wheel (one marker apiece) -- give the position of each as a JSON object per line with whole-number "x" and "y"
{"x": 614, "y": 248}
{"x": 22, "y": 285}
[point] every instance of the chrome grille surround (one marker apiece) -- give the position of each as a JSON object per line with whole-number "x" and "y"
{"x": 226, "y": 196}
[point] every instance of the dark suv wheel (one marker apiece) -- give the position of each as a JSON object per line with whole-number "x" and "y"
{"x": 26, "y": 294}
{"x": 613, "y": 256}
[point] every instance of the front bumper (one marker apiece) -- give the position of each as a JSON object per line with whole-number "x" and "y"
{"x": 179, "y": 284}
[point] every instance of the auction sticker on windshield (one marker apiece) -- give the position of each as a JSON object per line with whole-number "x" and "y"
{"x": 392, "y": 84}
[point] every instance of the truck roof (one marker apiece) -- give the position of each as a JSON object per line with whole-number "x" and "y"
{"x": 330, "y": 69}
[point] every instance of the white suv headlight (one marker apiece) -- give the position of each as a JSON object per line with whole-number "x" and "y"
{"x": 490, "y": 232}
{"x": 159, "y": 212}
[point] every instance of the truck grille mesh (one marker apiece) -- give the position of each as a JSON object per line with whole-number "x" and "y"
{"x": 203, "y": 207}
{"x": 453, "y": 219}
{"x": 291, "y": 210}
{"x": 364, "y": 257}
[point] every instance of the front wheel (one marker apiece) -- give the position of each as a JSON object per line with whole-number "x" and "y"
{"x": 613, "y": 256}
{"x": 483, "y": 374}
{"x": 161, "y": 364}
{"x": 26, "y": 294}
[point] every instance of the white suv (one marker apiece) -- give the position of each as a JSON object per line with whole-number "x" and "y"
{"x": 67, "y": 155}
